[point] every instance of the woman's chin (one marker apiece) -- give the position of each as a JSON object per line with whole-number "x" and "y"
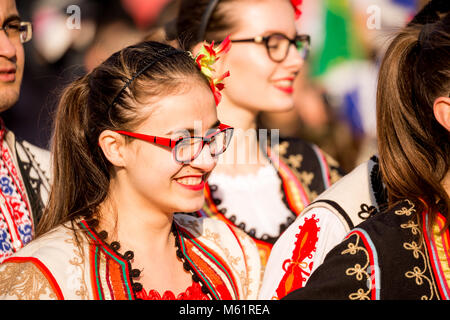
{"x": 191, "y": 205}
{"x": 282, "y": 105}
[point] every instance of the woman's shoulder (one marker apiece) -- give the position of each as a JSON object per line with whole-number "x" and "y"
{"x": 372, "y": 261}
{"x": 391, "y": 222}
{"x": 52, "y": 243}
{"x": 357, "y": 196}
{"x": 36, "y": 270}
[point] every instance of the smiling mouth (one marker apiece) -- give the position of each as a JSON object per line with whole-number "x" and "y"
{"x": 192, "y": 182}
{"x": 285, "y": 85}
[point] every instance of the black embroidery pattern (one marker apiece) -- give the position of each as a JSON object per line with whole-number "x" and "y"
{"x": 376, "y": 182}
{"x": 367, "y": 211}
{"x": 34, "y": 179}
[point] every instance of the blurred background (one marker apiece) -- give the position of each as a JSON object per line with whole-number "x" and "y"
{"x": 334, "y": 94}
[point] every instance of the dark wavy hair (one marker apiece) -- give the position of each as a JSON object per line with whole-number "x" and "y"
{"x": 200, "y": 20}
{"x": 414, "y": 148}
{"x": 97, "y": 102}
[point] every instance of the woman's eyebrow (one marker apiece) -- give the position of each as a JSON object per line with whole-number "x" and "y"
{"x": 215, "y": 125}
{"x": 191, "y": 130}
{"x": 13, "y": 17}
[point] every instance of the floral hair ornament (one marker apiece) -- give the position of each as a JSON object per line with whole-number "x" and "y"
{"x": 205, "y": 59}
{"x": 296, "y": 4}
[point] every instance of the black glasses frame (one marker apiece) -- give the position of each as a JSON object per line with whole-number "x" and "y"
{"x": 22, "y": 27}
{"x": 305, "y": 38}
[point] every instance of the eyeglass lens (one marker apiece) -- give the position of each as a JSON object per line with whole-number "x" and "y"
{"x": 278, "y": 47}
{"x": 16, "y": 30}
{"x": 189, "y": 148}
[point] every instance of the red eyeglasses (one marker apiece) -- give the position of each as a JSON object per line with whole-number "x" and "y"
{"x": 186, "y": 149}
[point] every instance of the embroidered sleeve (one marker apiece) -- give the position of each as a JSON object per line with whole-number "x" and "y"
{"x": 253, "y": 270}
{"x": 349, "y": 272}
{"x": 314, "y": 168}
{"x": 299, "y": 251}
{"x": 24, "y": 281}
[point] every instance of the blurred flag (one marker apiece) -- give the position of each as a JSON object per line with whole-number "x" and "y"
{"x": 340, "y": 42}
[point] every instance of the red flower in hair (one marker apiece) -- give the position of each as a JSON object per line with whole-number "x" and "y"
{"x": 296, "y": 4}
{"x": 205, "y": 58}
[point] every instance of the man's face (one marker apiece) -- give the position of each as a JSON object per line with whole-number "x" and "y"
{"x": 12, "y": 57}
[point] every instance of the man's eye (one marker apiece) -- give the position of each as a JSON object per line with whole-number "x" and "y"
{"x": 13, "y": 26}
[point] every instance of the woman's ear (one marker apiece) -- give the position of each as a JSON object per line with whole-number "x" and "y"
{"x": 112, "y": 145}
{"x": 441, "y": 109}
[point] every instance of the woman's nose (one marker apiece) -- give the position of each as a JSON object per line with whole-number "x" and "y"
{"x": 204, "y": 161}
{"x": 294, "y": 60}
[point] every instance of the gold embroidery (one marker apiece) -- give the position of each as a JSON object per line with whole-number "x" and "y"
{"x": 415, "y": 228}
{"x": 359, "y": 295}
{"x": 244, "y": 274}
{"x": 418, "y": 252}
{"x": 305, "y": 179}
{"x": 234, "y": 261}
{"x": 295, "y": 160}
{"x": 406, "y": 211}
{"x": 359, "y": 271}
{"x": 334, "y": 176}
{"x": 281, "y": 148}
{"x": 213, "y": 236}
{"x": 76, "y": 279}
{"x": 24, "y": 281}
{"x": 332, "y": 164}
{"x": 330, "y": 160}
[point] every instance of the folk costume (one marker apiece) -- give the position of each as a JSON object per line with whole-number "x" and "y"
{"x": 24, "y": 179}
{"x": 390, "y": 256}
{"x": 223, "y": 261}
{"x": 264, "y": 205}
{"x": 321, "y": 226}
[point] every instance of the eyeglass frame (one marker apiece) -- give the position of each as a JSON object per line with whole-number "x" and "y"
{"x": 265, "y": 40}
{"x": 28, "y": 25}
{"x": 170, "y": 143}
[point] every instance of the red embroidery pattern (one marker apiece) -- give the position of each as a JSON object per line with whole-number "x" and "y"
{"x": 194, "y": 292}
{"x": 294, "y": 267}
{"x": 16, "y": 225}
{"x": 212, "y": 267}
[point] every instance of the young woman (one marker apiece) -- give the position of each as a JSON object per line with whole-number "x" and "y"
{"x": 403, "y": 252}
{"x": 263, "y": 183}
{"x": 128, "y": 153}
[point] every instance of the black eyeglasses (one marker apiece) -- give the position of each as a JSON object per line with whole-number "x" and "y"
{"x": 17, "y": 30}
{"x": 277, "y": 45}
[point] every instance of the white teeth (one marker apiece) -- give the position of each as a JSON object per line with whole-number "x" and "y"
{"x": 191, "y": 181}
{"x": 284, "y": 83}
